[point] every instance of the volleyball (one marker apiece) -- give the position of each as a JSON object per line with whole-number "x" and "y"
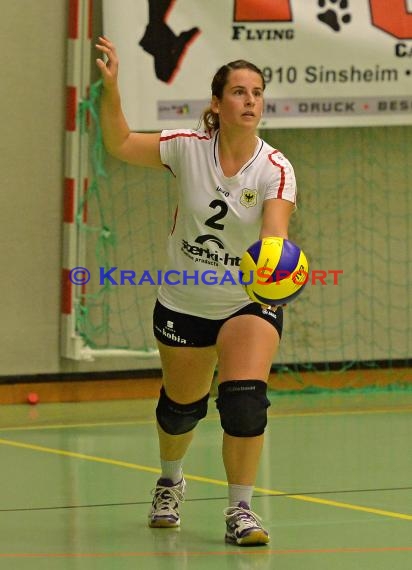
{"x": 274, "y": 271}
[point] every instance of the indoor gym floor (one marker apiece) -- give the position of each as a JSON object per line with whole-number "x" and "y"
{"x": 334, "y": 488}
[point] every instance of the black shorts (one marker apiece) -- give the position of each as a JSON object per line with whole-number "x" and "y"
{"x": 179, "y": 329}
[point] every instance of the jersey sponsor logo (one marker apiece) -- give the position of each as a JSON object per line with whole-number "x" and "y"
{"x": 209, "y": 237}
{"x": 248, "y": 198}
{"x": 204, "y": 255}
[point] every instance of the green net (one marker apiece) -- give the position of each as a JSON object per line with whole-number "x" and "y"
{"x": 124, "y": 220}
{"x": 353, "y": 221}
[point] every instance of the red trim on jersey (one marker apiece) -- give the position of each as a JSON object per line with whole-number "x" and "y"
{"x": 188, "y": 135}
{"x": 282, "y": 174}
{"x": 174, "y": 220}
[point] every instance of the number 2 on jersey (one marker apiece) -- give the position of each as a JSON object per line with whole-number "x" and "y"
{"x": 212, "y": 222}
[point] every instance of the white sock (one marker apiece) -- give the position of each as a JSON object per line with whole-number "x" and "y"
{"x": 172, "y": 470}
{"x": 238, "y": 493}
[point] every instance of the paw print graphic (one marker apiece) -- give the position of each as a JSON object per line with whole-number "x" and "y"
{"x": 334, "y": 13}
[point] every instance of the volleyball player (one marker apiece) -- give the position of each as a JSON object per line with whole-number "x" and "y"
{"x": 233, "y": 188}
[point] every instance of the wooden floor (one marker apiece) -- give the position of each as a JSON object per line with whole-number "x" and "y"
{"x": 84, "y": 390}
{"x": 334, "y": 488}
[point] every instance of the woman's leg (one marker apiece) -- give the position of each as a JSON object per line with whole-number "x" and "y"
{"x": 187, "y": 378}
{"x": 246, "y": 346}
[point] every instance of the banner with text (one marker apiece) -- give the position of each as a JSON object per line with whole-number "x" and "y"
{"x": 326, "y": 62}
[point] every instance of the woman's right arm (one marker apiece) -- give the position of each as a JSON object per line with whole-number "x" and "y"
{"x": 141, "y": 149}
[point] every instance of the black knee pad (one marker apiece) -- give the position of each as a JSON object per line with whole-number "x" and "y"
{"x": 242, "y": 405}
{"x": 175, "y": 418}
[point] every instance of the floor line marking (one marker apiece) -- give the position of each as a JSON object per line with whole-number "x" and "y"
{"x": 76, "y": 455}
{"x": 78, "y": 426}
{"x": 304, "y": 498}
{"x": 242, "y": 554}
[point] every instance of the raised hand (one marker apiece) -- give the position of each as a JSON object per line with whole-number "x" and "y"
{"x": 109, "y": 68}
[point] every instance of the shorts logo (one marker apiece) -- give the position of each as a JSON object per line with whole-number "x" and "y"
{"x": 270, "y": 312}
{"x": 248, "y": 198}
{"x": 169, "y": 332}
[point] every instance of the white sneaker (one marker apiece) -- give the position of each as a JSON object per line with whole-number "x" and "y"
{"x": 164, "y": 512}
{"x": 243, "y": 526}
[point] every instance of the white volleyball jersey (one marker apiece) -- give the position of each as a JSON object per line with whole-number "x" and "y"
{"x": 217, "y": 219}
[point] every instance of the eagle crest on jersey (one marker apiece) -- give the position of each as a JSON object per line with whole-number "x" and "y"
{"x": 248, "y": 198}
